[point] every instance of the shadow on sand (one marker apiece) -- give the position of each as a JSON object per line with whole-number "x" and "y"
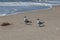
{"x": 28, "y": 24}
{"x": 42, "y": 26}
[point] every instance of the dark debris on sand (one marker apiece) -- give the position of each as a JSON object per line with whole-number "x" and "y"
{"x": 5, "y": 24}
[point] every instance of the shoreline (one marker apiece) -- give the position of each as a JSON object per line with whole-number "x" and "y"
{"x": 25, "y": 11}
{"x": 29, "y": 11}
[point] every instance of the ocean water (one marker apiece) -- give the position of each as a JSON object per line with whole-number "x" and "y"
{"x": 12, "y": 6}
{"x": 4, "y": 10}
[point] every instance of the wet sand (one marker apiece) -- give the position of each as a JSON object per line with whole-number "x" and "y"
{"x": 19, "y": 31}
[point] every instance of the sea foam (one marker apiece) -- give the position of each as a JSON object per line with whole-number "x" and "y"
{"x": 23, "y": 4}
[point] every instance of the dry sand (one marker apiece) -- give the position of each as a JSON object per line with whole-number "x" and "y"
{"x": 19, "y": 31}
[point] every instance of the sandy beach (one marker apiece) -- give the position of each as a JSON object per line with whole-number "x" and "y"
{"x": 19, "y": 31}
